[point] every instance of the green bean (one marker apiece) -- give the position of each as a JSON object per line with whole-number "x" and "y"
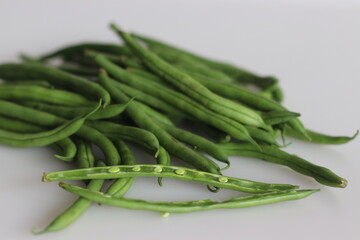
{"x": 131, "y": 62}
{"x": 143, "y": 74}
{"x": 163, "y": 158}
{"x": 169, "y": 143}
{"x": 12, "y": 71}
{"x": 178, "y": 100}
{"x": 137, "y": 135}
{"x": 75, "y": 210}
{"x": 188, "y": 206}
{"x": 262, "y": 136}
{"x": 84, "y": 157}
{"x": 275, "y": 155}
{"x": 66, "y": 146}
{"x": 276, "y": 117}
{"x": 46, "y": 137}
{"x": 78, "y": 49}
{"x": 49, "y": 120}
{"x": 148, "y": 99}
{"x": 36, "y": 93}
{"x": 196, "y": 141}
{"x": 121, "y": 186}
{"x": 249, "y": 98}
{"x": 166, "y": 171}
{"x": 190, "y": 86}
{"x": 109, "y": 111}
{"x": 79, "y": 70}
{"x": 240, "y": 75}
{"x": 319, "y": 137}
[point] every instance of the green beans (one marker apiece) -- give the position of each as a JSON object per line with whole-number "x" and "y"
{"x": 168, "y": 142}
{"x": 166, "y": 171}
{"x": 191, "y": 87}
{"x": 12, "y": 71}
{"x": 49, "y": 120}
{"x": 36, "y": 93}
{"x": 75, "y": 210}
{"x": 178, "y": 100}
{"x": 188, "y": 206}
{"x": 275, "y": 155}
{"x": 43, "y": 138}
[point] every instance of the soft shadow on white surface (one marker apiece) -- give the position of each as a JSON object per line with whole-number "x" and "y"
{"x": 313, "y": 47}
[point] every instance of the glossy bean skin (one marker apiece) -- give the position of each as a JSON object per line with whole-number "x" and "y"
{"x": 66, "y": 147}
{"x": 84, "y": 157}
{"x": 37, "y": 93}
{"x": 57, "y": 77}
{"x": 110, "y": 111}
{"x": 275, "y": 155}
{"x": 277, "y": 117}
{"x": 188, "y": 206}
{"x": 178, "y": 100}
{"x": 137, "y": 135}
{"x": 75, "y": 210}
{"x": 190, "y": 86}
{"x": 118, "y": 188}
{"x": 169, "y": 143}
{"x": 166, "y": 171}
{"x": 46, "y": 137}
{"x": 320, "y": 138}
{"x": 44, "y": 119}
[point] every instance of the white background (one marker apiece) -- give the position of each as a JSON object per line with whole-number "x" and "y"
{"x": 312, "y": 46}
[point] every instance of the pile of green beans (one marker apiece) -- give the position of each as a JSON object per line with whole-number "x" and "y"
{"x": 171, "y": 103}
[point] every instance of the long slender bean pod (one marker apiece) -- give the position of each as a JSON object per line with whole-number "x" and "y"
{"x": 188, "y": 206}
{"x": 275, "y": 155}
{"x": 166, "y": 171}
{"x": 84, "y": 157}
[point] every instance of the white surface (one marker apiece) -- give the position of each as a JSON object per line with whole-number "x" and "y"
{"x": 312, "y": 46}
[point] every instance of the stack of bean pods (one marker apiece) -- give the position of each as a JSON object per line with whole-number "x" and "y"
{"x": 142, "y": 92}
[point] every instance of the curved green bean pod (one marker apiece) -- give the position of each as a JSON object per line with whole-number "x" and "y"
{"x": 84, "y": 156}
{"x": 188, "y": 206}
{"x": 65, "y": 146}
{"x": 155, "y": 114}
{"x": 43, "y": 138}
{"x": 75, "y": 210}
{"x": 109, "y": 111}
{"x": 92, "y": 90}
{"x": 37, "y": 93}
{"x": 178, "y": 100}
{"x": 121, "y": 186}
{"x": 137, "y": 135}
{"x": 275, "y": 155}
{"x": 40, "y": 83}
{"x": 190, "y": 86}
{"x": 49, "y": 120}
{"x": 320, "y": 138}
{"x": 169, "y": 143}
{"x": 166, "y": 171}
